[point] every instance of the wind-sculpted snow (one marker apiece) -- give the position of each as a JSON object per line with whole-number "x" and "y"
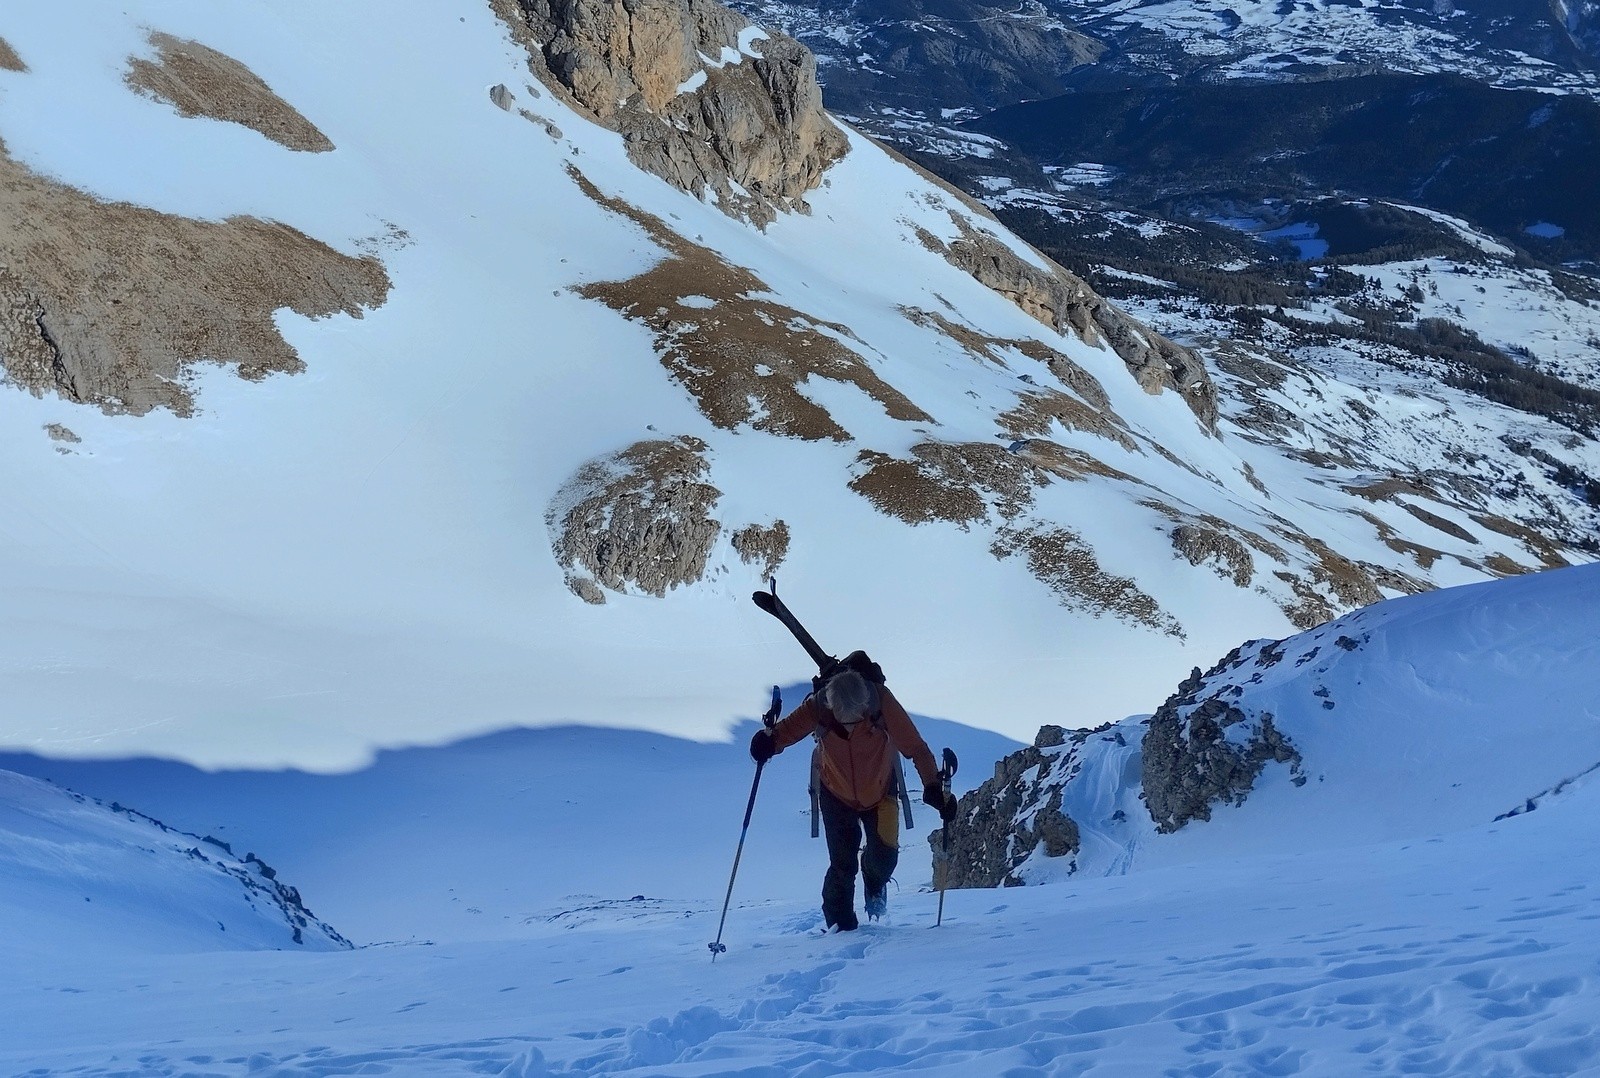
{"x": 1412, "y": 717}
{"x": 110, "y": 879}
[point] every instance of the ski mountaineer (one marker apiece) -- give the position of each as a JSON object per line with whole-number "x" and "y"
{"x": 858, "y": 726}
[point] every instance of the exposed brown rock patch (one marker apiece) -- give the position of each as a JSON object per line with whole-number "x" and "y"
{"x": 1501, "y": 565}
{"x": 1424, "y": 556}
{"x": 764, "y": 546}
{"x": 1229, "y": 558}
{"x": 639, "y": 518}
{"x": 9, "y": 60}
{"x": 109, "y": 303}
{"x": 200, "y": 81}
{"x": 1036, "y": 413}
{"x": 1390, "y": 489}
{"x": 1540, "y": 545}
{"x": 1225, "y": 547}
{"x": 953, "y": 482}
{"x": 1333, "y": 584}
{"x": 1439, "y": 523}
{"x": 1064, "y": 463}
{"x": 1383, "y": 490}
{"x": 978, "y": 344}
{"x": 1063, "y": 561}
{"x": 744, "y": 357}
{"x": 59, "y": 433}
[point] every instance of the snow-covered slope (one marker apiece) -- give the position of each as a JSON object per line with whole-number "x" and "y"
{"x": 1471, "y": 955}
{"x": 91, "y": 878}
{"x": 1465, "y": 947}
{"x": 1413, "y": 718}
{"x": 573, "y": 382}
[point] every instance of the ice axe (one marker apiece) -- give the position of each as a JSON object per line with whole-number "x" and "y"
{"x": 769, "y": 720}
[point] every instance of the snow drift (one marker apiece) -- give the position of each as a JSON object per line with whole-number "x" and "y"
{"x": 110, "y": 879}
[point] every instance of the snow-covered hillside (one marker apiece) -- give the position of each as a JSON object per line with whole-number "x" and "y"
{"x": 84, "y": 876}
{"x": 533, "y": 377}
{"x": 1310, "y": 931}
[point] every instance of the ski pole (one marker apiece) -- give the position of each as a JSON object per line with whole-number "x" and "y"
{"x": 946, "y": 773}
{"x": 767, "y": 721}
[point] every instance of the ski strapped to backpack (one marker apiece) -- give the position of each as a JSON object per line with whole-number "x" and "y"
{"x": 828, "y": 667}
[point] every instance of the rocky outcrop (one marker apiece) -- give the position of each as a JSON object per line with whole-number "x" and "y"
{"x": 957, "y": 482}
{"x": 638, "y": 519}
{"x": 743, "y": 356}
{"x": 1065, "y": 303}
{"x": 1075, "y": 794}
{"x": 1202, "y": 545}
{"x": 762, "y": 545}
{"x": 200, "y": 81}
{"x": 1001, "y": 823}
{"x": 109, "y": 304}
{"x": 701, "y": 98}
{"x": 1201, "y": 750}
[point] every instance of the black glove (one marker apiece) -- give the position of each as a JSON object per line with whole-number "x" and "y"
{"x": 934, "y": 798}
{"x": 761, "y": 747}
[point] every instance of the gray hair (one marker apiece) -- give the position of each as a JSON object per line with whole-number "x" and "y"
{"x": 849, "y": 697}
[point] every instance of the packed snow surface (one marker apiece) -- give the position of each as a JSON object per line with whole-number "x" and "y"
{"x": 1455, "y": 943}
{"x": 1467, "y": 954}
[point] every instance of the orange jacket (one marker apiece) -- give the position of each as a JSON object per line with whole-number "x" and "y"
{"x": 857, "y": 769}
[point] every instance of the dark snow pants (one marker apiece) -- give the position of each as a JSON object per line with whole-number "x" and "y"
{"x": 843, "y": 827}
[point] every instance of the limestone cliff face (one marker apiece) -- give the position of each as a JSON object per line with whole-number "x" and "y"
{"x": 702, "y": 99}
{"x": 1063, "y": 301}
